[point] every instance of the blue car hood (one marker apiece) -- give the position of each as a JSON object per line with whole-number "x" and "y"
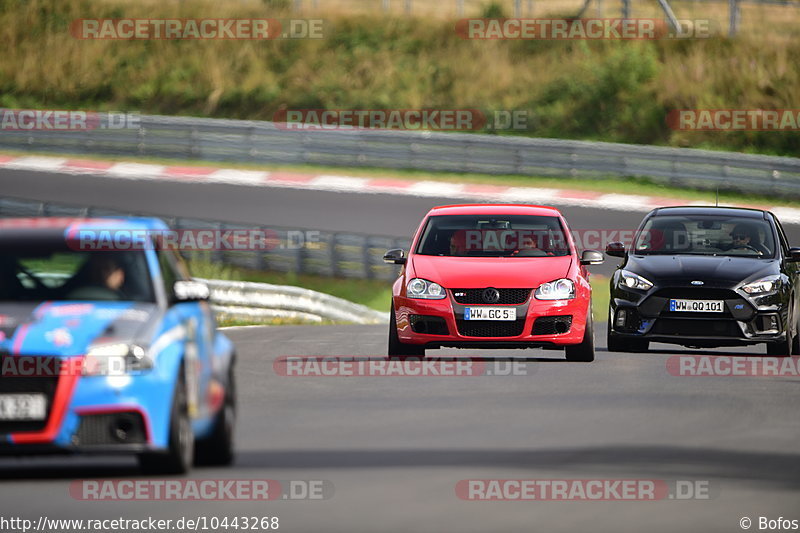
{"x": 69, "y": 328}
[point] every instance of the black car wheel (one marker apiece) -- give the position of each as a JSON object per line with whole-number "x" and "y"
{"x": 218, "y": 448}
{"x": 180, "y": 454}
{"x": 583, "y": 352}
{"x": 398, "y": 350}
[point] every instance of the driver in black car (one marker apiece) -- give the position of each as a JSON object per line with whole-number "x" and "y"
{"x": 746, "y": 238}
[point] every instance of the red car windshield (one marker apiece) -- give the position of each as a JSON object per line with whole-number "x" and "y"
{"x": 493, "y": 236}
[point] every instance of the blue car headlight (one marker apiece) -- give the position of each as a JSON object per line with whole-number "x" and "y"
{"x": 422, "y": 288}
{"x": 116, "y": 359}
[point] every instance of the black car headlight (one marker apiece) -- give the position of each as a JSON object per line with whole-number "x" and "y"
{"x": 762, "y": 286}
{"x": 424, "y": 289}
{"x": 631, "y": 280}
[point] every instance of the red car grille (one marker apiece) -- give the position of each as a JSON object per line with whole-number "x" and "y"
{"x": 490, "y": 328}
{"x": 507, "y": 296}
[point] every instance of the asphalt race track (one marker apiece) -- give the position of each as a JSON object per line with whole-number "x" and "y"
{"x": 393, "y": 448}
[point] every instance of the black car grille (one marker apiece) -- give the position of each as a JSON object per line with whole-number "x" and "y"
{"x": 490, "y": 328}
{"x": 698, "y": 293}
{"x": 26, "y": 385}
{"x": 507, "y": 296}
{"x": 688, "y": 327}
{"x": 428, "y": 325}
{"x": 550, "y": 325}
{"x": 111, "y": 428}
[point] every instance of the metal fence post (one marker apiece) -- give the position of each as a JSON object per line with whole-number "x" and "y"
{"x": 142, "y": 140}
{"x": 217, "y": 256}
{"x": 299, "y": 258}
{"x": 333, "y": 255}
{"x": 261, "y": 262}
{"x": 733, "y": 13}
{"x": 366, "y": 258}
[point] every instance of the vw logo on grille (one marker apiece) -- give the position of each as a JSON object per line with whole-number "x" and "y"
{"x": 491, "y": 296}
{"x": 697, "y": 282}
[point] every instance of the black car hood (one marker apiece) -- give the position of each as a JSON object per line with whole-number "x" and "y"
{"x": 713, "y": 271}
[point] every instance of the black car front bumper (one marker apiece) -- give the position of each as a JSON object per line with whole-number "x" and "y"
{"x": 743, "y": 320}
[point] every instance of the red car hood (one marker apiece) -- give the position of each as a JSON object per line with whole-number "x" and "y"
{"x": 499, "y": 272}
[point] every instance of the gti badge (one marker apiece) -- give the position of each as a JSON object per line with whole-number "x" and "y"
{"x": 697, "y": 282}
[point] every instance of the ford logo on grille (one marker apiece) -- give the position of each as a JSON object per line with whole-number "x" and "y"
{"x": 491, "y": 296}
{"x": 697, "y": 282}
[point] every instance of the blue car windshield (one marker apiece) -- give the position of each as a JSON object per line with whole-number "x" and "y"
{"x": 62, "y": 274}
{"x": 493, "y": 236}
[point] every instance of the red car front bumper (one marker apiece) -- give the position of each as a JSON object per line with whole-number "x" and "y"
{"x": 460, "y": 332}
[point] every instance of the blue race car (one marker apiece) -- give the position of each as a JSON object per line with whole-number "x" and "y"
{"x": 108, "y": 346}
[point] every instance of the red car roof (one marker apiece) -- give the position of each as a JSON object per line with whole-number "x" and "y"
{"x": 494, "y": 209}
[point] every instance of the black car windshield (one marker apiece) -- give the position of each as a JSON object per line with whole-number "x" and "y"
{"x": 493, "y": 236}
{"x": 706, "y": 235}
{"x": 58, "y": 273}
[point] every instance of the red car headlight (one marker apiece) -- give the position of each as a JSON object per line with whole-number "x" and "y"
{"x": 560, "y": 289}
{"x": 422, "y": 288}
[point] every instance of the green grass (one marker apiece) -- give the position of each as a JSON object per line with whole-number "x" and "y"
{"x": 610, "y": 90}
{"x": 636, "y": 186}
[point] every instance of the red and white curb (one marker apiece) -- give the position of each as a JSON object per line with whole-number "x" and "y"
{"x": 351, "y": 184}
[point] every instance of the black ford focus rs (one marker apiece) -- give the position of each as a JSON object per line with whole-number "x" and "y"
{"x": 706, "y": 277}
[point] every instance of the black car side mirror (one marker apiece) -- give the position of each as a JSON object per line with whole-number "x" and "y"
{"x": 794, "y": 255}
{"x": 396, "y": 256}
{"x": 591, "y": 257}
{"x": 615, "y": 249}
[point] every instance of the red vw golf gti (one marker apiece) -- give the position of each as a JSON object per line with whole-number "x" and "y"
{"x": 492, "y": 276}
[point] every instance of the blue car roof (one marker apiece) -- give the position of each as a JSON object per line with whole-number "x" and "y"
{"x": 48, "y": 232}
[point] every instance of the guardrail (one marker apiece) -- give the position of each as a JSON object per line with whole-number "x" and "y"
{"x": 326, "y": 254}
{"x": 256, "y": 302}
{"x": 265, "y": 143}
